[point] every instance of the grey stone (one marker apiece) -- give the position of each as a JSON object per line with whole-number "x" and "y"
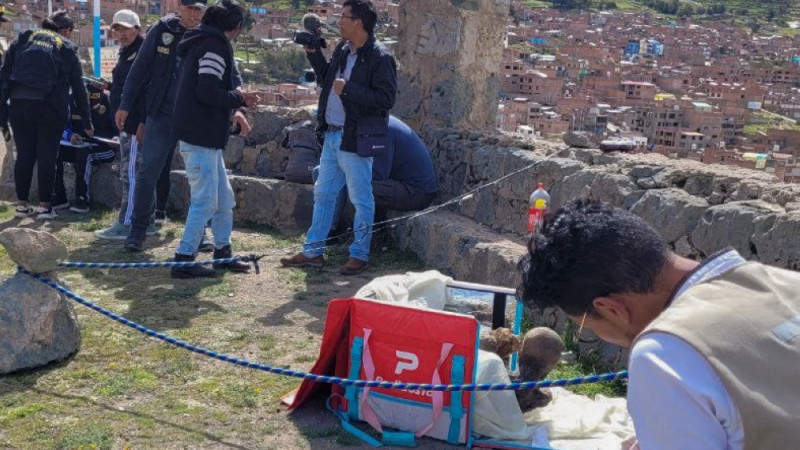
{"x": 234, "y": 153}
{"x": 39, "y": 325}
{"x": 579, "y": 139}
{"x": 730, "y": 225}
{"x": 593, "y": 183}
{"x": 642, "y": 171}
{"x": 775, "y": 240}
{"x": 36, "y": 251}
{"x": 285, "y": 206}
{"x": 672, "y": 212}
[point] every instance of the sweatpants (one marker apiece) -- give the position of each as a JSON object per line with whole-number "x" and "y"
{"x": 83, "y": 160}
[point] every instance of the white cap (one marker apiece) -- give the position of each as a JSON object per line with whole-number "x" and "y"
{"x": 126, "y": 18}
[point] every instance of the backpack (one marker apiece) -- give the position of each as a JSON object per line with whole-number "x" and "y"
{"x": 304, "y": 153}
{"x": 37, "y": 62}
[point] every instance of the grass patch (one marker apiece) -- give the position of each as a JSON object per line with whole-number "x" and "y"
{"x": 86, "y": 437}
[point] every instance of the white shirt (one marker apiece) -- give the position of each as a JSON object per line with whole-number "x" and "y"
{"x": 675, "y": 397}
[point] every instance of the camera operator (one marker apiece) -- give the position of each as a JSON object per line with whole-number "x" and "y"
{"x": 358, "y": 84}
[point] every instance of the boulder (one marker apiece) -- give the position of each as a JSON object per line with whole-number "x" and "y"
{"x": 39, "y": 325}
{"x": 579, "y": 139}
{"x": 36, "y": 251}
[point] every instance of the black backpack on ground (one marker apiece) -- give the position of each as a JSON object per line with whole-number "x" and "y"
{"x": 37, "y": 63}
{"x": 304, "y": 152}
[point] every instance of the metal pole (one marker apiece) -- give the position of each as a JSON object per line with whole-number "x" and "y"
{"x": 96, "y": 34}
{"x": 49, "y": 8}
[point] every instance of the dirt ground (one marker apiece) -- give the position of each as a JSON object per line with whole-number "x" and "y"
{"x": 123, "y": 390}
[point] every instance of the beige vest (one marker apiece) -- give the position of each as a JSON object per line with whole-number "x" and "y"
{"x": 746, "y": 323}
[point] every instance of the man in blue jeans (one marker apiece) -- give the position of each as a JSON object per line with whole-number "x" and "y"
{"x": 208, "y": 92}
{"x": 403, "y": 177}
{"x": 358, "y": 83}
{"x": 155, "y": 70}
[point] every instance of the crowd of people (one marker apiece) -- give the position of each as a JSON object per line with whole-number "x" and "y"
{"x": 178, "y": 86}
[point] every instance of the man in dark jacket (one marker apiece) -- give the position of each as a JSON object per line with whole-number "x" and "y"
{"x": 358, "y": 84}
{"x": 207, "y": 95}
{"x": 154, "y": 70}
{"x": 127, "y": 30}
{"x": 39, "y": 69}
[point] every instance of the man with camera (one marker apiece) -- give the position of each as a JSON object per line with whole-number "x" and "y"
{"x": 359, "y": 85}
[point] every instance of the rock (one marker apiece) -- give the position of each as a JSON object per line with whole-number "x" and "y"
{"x": 39, "y": 325}
{"x": 579, "y": 139}
{"x": 730, "y": 225}
{"x": 282, "y": 205}
{"x": 672, "y": 212}
{"x": 36, "y": 251}
{"x": 234, "y": 153}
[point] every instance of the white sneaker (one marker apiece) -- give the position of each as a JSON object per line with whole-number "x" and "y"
{"x": 45, "y": 213}
{"x": 21, "y": 212}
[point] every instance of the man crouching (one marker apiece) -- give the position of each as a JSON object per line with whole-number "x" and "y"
{"x": 208, "y": 92}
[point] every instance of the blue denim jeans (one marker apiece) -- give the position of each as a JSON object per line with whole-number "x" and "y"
{"x": 158, "y": 146}
{"x": 338, "y": 168}
{"x": 211, "y": 198}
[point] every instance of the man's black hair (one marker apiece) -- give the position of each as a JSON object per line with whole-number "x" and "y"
{"x": 364, "y": 10}
{"x": 590, "y": 249}
{"x": 60, "y": 20}
{"x": 226, "y": 15}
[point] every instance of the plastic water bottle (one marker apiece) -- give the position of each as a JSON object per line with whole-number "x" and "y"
{"x": 539, "y": 202}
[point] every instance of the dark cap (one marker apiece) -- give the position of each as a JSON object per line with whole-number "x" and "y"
{"x": 196, "y": 3}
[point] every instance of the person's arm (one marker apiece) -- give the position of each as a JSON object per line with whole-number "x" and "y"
{"x": 79, "y": 95}
{"x": 5, "y": 87}
{"x": 381, "y": 94}
{"x": 318, "y": 61}
{"x": 141, "y": 65}
{"x": 211, "y": 67}
{"x": 677, "y": 400}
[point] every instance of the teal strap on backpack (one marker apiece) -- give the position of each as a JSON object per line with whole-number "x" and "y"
{"x": 350, "y": 428}
{"x": 399, "y": 438}
{"x": 456, "y": 410}
{"x": 351, "y": 392}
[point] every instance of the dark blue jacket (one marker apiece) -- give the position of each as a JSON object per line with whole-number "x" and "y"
{"x": 127, "y": 56}
{"x": 70, "y": 76}
{"x": 207, "y": 85}
{"x": 154, "y": 66}
{"x": 406, "y": 160}
{"x": 370, "y": 91}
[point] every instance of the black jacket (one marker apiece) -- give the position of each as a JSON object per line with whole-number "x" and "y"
{"x": 154, "y": 65}
{"x": 370, "y": 91}
{"x": 118, "y": 76}
{"x": 70, "y": 75}
{"x": 207, "y": 85}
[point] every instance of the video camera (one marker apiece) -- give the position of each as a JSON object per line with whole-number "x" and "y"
{"x": 308, "y": 39}
{"x": 311, "y": 35}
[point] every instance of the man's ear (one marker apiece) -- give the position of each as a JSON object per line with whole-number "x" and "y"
{"x": 612, "y": 307}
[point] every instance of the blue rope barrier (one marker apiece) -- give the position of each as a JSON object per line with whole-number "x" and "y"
{"x": 324, "y": 378}
{"x": 150, "y": 264}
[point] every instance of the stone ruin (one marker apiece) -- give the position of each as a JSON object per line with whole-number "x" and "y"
{"x": 37, "y": 323}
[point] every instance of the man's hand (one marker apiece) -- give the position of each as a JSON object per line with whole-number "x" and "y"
{"x": 89, "y": 133}
{"x": 120, "y": 117}
{"x": 75, "y": 139}
{"x": 140, "y": 133}
{"x": 250, "y": 99}
{"x": 240, "y": 121}
{"x": 338, "y": 85}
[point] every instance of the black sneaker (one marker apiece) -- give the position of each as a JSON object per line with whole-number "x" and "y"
{"x": 59, "y": 203}
{"x": 160, "y": 217}
{"x": 80, "y": 206}
{"x": 192, "y": 271}
{"x": 234, "y": 266}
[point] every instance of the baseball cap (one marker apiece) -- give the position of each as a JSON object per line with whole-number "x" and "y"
{"x": 195, "y": 3}
{"x": 126, "y": 18}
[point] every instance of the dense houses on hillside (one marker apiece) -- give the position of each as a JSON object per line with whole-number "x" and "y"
{"x": 710, "y": 91}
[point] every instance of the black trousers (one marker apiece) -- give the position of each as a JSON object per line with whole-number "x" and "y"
{"x": 37, "y": 128}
